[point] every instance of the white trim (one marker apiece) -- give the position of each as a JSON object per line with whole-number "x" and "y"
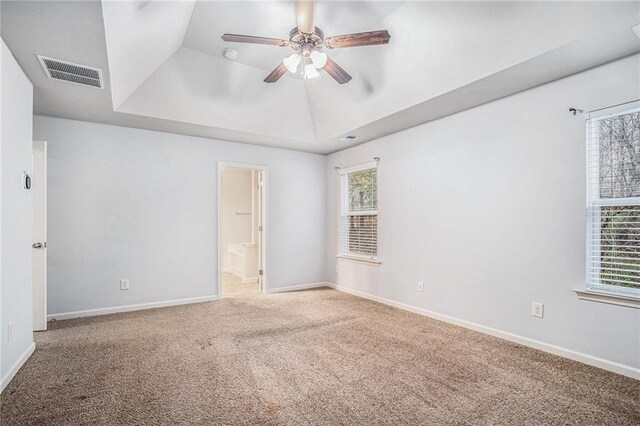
{"x": 40, "y": 318}
{"x": 361, "y": 213}
{"x": 129, "y": 308}
{"x": 610, "y": 298}
{"x": 606, "y": 202}
{"x": 358, "y": 168}
{"x": 359, "y": 259}
{"x": 625, "y": 370}
{"x": 299, "y": 287}
{"x": 17, "y": 366}
{"x": 612, "y": 290}
{"x": 613, "y": 111}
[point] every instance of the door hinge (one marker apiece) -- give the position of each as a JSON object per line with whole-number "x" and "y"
{"x": 261, "y": 272}
{"x": 260, "y": 228}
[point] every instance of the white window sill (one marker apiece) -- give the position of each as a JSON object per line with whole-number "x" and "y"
{"x": 611, "y": 298}
{"x": 358, "y": 259}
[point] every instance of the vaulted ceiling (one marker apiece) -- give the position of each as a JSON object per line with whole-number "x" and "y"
{"x": 164, "y": 68}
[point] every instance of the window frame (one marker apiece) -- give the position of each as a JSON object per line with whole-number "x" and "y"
{"x": 608, "y": 293}
{"x": 351, "y": 256}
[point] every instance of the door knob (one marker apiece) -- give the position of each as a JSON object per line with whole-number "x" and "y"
{"x": 37, "y": 245}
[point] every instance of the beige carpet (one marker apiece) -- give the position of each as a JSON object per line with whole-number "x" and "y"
{"x": 312, "y": 357}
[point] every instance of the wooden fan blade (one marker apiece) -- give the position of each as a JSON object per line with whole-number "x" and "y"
{"x": 239, "y": 38}
{"x": 370, "y": 38}
{"x": 336, "y": 71}
{"x": 305, "y": 16}
{"x": 275, "y": 75}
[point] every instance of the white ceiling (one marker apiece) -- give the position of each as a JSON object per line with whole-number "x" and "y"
{"x": 164, "y": 68}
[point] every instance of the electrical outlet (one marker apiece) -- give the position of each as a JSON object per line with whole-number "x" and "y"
{"x": 420, "y": 286}
{"x": 537, "y": 309}
{"x": 124, "y": 284}
{"x": 10, "y": 331}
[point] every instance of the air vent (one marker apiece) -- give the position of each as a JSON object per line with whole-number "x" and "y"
{"x": 70, "y": 72}
{"x": 348, "y": 138}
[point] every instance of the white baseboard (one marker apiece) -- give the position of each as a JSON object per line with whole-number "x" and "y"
{"x": 128, "y": 308}
{"x": 16, "y": 367}
{"x": 615, "y": 367}
{"x": 298, "y": 287}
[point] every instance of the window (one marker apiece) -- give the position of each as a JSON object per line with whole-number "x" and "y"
{"x": 359, "y": 212}
{"x": 613, "y": 202}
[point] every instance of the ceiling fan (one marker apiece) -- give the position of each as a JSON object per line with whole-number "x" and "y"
{"x": 307, "y": 41}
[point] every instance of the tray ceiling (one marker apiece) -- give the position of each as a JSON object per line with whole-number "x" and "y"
{"x": 166, "y": 71}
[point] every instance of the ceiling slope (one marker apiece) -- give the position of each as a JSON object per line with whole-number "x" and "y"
{"x": 563, "y": 62}
{"x": 141, "y": 36}
{"x": 197, "y": 88}
{"x": 439, "y": 47}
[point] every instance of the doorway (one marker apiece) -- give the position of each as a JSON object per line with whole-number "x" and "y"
{"x": 39, "y": 245}
{"x": 241, "y": 230}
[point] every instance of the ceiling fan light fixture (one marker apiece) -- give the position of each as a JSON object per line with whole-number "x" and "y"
{"x": 319, "y": 59}
{"x": 292, "y": 62}
{"x": 310, "y": 71}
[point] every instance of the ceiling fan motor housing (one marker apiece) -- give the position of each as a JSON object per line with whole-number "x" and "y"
{"x": 303, "y": 43}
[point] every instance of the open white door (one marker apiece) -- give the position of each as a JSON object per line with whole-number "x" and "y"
{"x": 39, "y": 192}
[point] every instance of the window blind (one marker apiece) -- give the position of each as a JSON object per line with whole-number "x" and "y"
{"x": 359, "y": 211}
{"x": 613, "y": 201}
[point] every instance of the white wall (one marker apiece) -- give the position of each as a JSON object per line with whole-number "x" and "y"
{"x": 236, "y": 198}
{"x": 487, "y": 207}
{"x": 16, "y": 213}
{"x": 138, "y": 204}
